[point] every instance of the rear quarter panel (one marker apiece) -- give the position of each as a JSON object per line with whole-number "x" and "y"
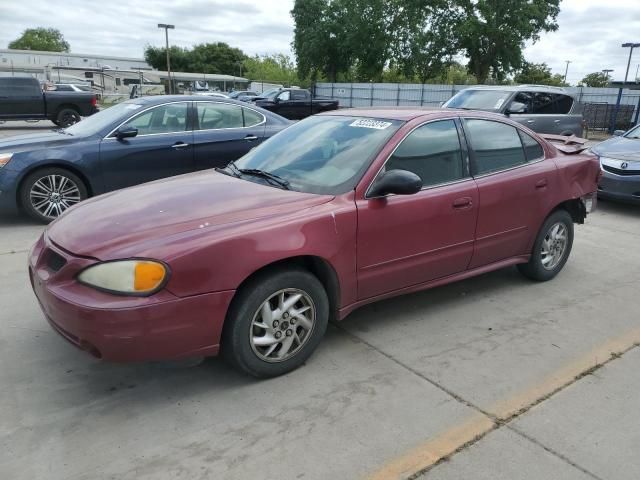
{"x": 578, "y": 174}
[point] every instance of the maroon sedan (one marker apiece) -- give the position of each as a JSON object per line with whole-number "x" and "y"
{"x": 335, "y": 212}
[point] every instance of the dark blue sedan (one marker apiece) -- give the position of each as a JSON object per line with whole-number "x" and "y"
{"x": 130, "y": 143}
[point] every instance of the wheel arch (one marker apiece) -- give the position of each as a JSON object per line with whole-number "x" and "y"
{"x": 53, "y": 164}
{"x": 317, "y": 266}
{"x": 575, "y": 208}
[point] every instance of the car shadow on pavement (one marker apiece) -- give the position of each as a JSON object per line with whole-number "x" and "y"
{"x": 627, "y": 209}
{"x": 18, "y": 220}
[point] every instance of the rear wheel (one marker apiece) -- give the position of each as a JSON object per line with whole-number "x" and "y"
{"x": 276, "y": 322}
{"x": 551, "y": 249}
{"x": 67, "y": 117}
{"x": 45, "y": 194}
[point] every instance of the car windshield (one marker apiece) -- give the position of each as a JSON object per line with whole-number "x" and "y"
{"x": 488, "y": 100}
{"x": 270, "y": 93}
{"x": 103, "y": 119}
{"x": 634, "y": 133}
{"x": 321, "y": 154}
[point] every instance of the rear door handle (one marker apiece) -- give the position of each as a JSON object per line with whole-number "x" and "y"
{"x": 556, "y": 121}
{"x": 464, "y": 202}
{"x": 541, "y": 183}
{"x": 250, "y": 138}
{"x": 178, "y": 145}
{"x": 531, "y": 121}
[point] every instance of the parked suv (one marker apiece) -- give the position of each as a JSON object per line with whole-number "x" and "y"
{"x": 542, "y": 108}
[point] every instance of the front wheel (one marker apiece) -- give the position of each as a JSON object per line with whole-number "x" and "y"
{"x": 275, "y": 323}
{"x": 45, "y": 194}
{"x": 551, "y": 249}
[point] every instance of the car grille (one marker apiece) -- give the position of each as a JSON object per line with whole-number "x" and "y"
{"x": 54, "y": 261}
{"x": 620, "y": 171}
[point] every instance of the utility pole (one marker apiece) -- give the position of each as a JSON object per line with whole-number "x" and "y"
{"x": 606, "y": 72}
{"x": 166, "y": 37}
{"x": 566, "y": 70}
{"x": 632, "y": 46}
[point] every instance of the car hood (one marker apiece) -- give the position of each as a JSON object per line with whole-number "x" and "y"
{"x": 35, "y": 141}
{"x": 127, "y": 219}
{"x": 619, "y": 147}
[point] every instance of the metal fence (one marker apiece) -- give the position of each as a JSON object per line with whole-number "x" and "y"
{"x": 599, "y": 102}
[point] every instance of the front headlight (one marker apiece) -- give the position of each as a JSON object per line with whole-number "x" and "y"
{"x": 126, "y": 277}
{"x": 4, "y": 158}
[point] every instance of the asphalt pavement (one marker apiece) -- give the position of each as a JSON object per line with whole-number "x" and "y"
{"x": 494, "y": 377}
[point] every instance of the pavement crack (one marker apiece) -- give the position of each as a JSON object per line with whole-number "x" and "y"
{"x": 13, "y": 252}
{"x": 553, "y": 452}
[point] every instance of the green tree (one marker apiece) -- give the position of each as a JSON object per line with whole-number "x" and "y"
{"x": 538, "y": 74}
{"x": 204, "y": 58}
{"x": 43, "y": 39}
{"x": 422, "y": 32}
{"x": 492, "y": 33}
{"x": 320, "y": 38}
{"x": 595, "y": 79}
{"x": 278, "y": 68}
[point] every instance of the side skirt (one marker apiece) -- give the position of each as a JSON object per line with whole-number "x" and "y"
{"x": 343, "y": 312}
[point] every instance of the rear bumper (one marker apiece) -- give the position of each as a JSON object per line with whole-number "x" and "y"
{"x": 124, "y": 329}
{"x": 619, "y": 188}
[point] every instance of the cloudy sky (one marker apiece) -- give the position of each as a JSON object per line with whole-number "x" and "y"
{"x": 590, "y": 33}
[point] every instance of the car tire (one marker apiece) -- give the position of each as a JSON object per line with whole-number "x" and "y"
{"x": 551, "y": 249}
{"x": 58, "y": 187}
{"x": 263, "y": 339}
{"x": 67, "y": 117}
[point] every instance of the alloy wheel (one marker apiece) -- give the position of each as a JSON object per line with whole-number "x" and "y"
{"x": 282, "y": 325}
{"x": 53, "y": 194}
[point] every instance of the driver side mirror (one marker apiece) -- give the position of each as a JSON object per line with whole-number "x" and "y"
{"x": 516, "y": 107}
{"x": 126, "y": 132}
{"x": 397, "y": 182}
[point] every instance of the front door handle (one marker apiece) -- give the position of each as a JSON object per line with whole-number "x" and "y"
{"x": 531, "y": 121}
{"x": 178, "y": 145}
{"x": 541, "y": 183}
{"x": 461, "y": 203}
{"x": 250, "y": 138}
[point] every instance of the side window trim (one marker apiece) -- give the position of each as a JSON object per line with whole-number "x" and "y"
{"x": 472, "y": 156}
{"x": 463, "y": 148}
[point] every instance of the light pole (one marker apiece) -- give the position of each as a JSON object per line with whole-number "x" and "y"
{"x": 606, "y": 72}
{"x": 632, "y": 46}
{"x": 166, "y": 27}
{"x": 566, "y": 70}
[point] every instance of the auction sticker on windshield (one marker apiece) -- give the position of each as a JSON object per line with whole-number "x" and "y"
{"x": 366, "y": 123}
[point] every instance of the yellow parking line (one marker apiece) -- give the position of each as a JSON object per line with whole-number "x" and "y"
{"x": 446, "y": 443}
{"x": 430, "y": 452}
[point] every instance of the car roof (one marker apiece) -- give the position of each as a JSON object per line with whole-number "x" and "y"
{"x": 158, "y": 99}
{"x": 406, "y": 113}
{"x": 520, "y": 88}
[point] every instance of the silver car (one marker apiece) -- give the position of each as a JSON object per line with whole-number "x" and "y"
{"x": 620, "y": 163}
{"x": 542, "y": 108}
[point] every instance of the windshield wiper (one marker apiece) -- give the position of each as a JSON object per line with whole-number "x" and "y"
{"x": 272, "y": 177}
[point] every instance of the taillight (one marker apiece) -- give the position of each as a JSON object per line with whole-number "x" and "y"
{"x": 94, "y": 101}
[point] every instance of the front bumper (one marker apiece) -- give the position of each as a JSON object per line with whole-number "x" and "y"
{"x": 123, "y": 329}
{"x": 619, "y": 187}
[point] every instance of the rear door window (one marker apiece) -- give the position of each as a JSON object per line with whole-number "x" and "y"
{"x": 563, "y": 103}
{"x": 299, "y": 95}
{"x": 432, "y": 152}
{"x": 496, "y": 146}
{"x": 532, "y": 149}
{"x": 213, "y": 115}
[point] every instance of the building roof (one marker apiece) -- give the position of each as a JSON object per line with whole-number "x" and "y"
{"x": 75, "y": 55}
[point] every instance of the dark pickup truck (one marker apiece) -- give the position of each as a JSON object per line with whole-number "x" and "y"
{"x": 22, "y": 98}
{"x": 294, "y": 103}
